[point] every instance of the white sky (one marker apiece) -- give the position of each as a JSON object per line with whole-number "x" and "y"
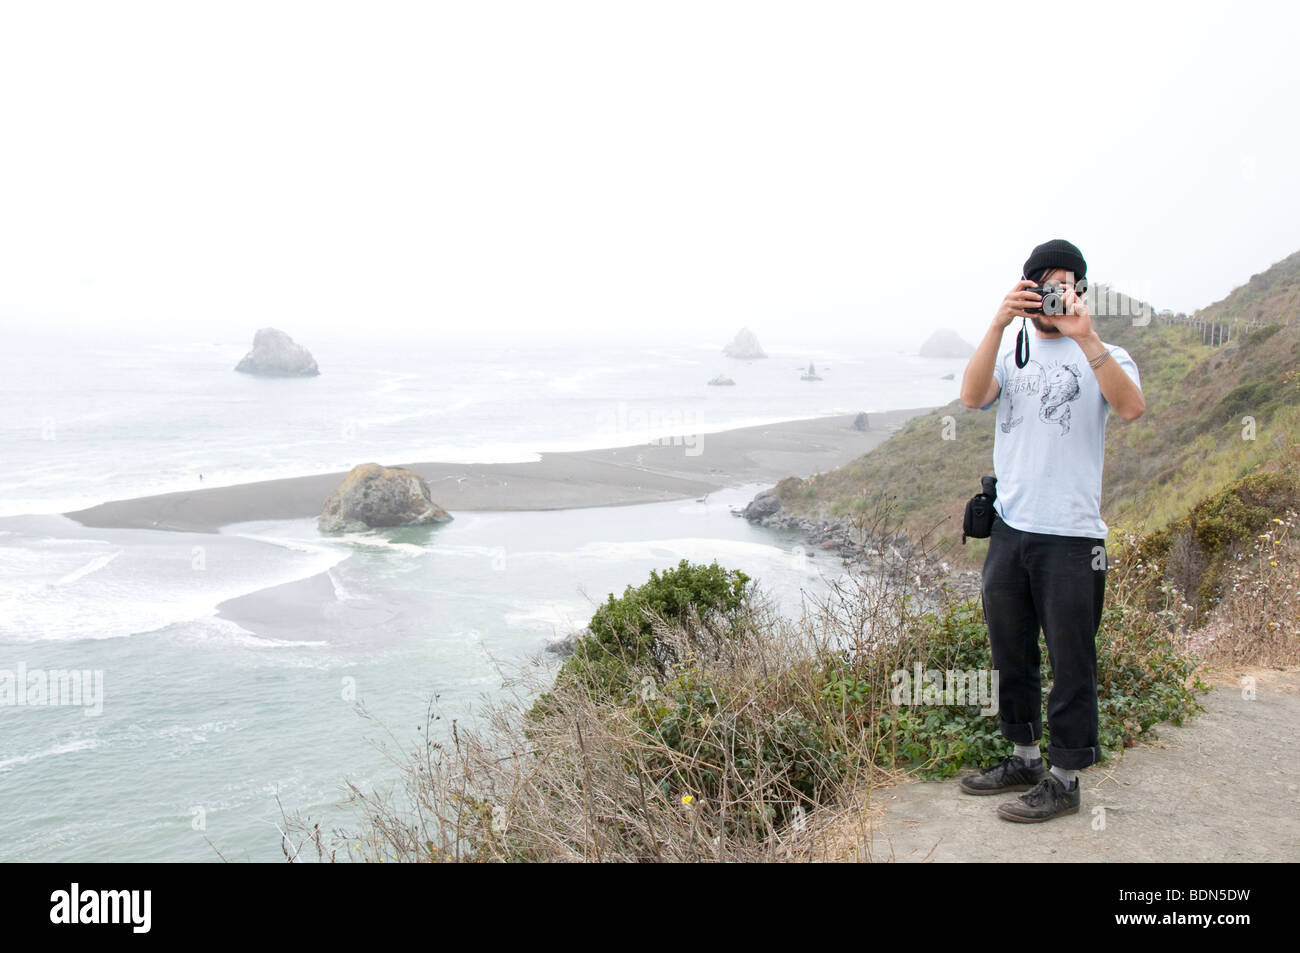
{"x": 650, "y": 170}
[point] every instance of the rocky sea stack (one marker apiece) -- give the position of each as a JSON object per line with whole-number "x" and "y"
{"x": 744, "y": 346}
{"x": 275, "y": 354}
{"x": 372, "y": 495}
{"x": 946, "y": 343}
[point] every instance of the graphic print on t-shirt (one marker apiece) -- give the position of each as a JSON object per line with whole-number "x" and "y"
{"x": 1055, "y": 386}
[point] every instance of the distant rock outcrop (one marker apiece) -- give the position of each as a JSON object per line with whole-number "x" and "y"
{"x": 745, "y": 346}
{"x": 275, "y": 354}
{"x": 862, "y": 421}
{"x": 810, "y": 374}
{"x": 946, "y": 343}
{"x": 722, "y": 380}
{"x": 372, "y": 495}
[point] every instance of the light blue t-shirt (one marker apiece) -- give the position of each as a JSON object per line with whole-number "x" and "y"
{"x": 1050, "y": 441}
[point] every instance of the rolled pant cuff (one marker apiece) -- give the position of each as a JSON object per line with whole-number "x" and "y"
{"x": 1022, "y": 733}
{"x": 1073, "y": 759}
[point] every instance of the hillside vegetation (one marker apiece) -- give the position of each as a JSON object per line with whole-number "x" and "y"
{"x": 1273, "y": 296}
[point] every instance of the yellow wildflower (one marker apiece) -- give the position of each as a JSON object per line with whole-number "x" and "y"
{"x": 687, "y": 799}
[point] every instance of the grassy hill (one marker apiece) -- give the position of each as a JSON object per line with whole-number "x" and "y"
{"x": 1213, "y": 415}
{"x": 1271, "y": 296}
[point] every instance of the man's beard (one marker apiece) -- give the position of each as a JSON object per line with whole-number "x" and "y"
{"x": 1044, "y": 326}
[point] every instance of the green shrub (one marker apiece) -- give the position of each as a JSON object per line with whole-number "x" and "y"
{"x": 938, "y": 740}
{"x": 716, "y": 737}
{"x": 1260, "y": 335}
{"x": 1249, "y": 398}
{"x": 1143, "y": 678}
{"x": 621, "y": 645}
{"x": 1196, "y": 550}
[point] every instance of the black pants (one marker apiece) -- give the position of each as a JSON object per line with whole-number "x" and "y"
{"x": 1058, "y": 583}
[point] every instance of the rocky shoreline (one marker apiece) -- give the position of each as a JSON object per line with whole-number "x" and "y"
{"x": 893, "y": 554}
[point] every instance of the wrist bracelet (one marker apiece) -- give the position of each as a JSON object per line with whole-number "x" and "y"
{"x": 1099, "y": 360}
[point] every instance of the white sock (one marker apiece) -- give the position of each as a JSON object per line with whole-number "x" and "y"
{"x": 1028, "y": 752}
{"x": 1065, "y": 776}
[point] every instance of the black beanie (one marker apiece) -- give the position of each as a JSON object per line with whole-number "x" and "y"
{"x": 1058, "y": 253}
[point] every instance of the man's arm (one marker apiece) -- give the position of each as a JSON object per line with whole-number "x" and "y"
{"x": 1121, "y": 392}
{"x": 979, "y": 387}
{"x": 1123, "y": 395}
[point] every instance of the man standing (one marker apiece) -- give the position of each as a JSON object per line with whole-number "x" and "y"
{"x": 1046, "y": 562}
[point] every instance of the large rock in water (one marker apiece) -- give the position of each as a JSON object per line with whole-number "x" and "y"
{"x": 946, "y": 343}
{"x": 275, "y": 354}
{"x": 762, "y": 506}
{"x": 371, "y": 495}
{"x": 745, "y": 346}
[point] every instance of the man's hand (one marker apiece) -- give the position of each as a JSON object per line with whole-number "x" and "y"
{"x": 1014, "y": 304}
{"x": 1076, "y": 322}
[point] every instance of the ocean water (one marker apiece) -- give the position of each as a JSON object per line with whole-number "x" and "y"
{"x": 224, "y": 671}
{"x": 88, "y": 420}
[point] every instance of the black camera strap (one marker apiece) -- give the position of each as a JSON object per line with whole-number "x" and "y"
{"x": 1022, "y": 339}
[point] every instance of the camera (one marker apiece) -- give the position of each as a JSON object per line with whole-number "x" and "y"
{"x": 1054, "y": 297}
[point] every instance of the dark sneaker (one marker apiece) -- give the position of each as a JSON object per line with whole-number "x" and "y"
{"x": 1047, "y": 800}
{"x": 1010, "y": 774}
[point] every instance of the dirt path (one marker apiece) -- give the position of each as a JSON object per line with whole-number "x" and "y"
{"x": 1223, "y": 787}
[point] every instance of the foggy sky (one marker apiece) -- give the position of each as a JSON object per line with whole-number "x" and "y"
{"x": 657, "y": 171}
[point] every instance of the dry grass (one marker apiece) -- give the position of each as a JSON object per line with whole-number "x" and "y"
{"x": 1258, "y": 620}
{"x": 590, "y": 783}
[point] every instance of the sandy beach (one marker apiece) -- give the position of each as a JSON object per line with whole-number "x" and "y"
{"x": 682, "y": 468}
